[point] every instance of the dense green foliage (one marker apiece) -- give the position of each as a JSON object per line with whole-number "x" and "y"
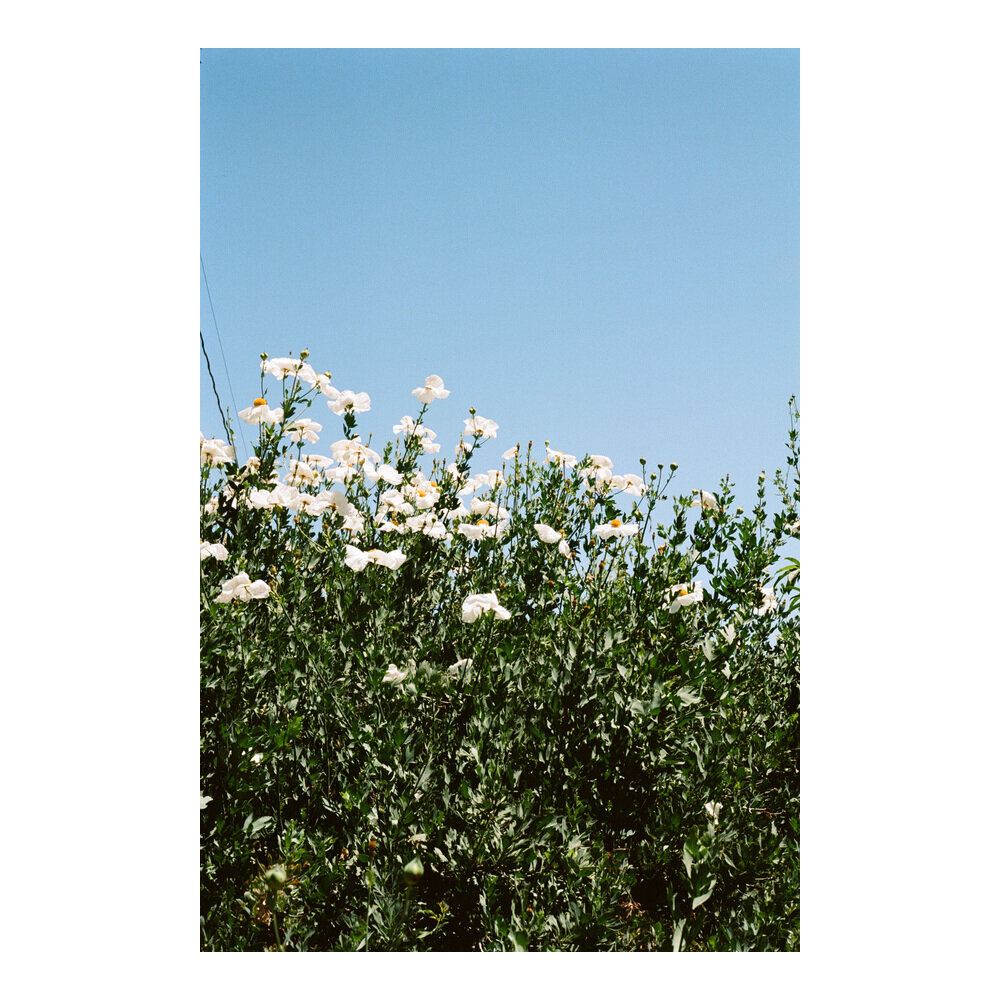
{"x": 612, "y": 767}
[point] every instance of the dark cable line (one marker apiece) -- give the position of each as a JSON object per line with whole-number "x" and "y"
{"x": 218, "y": 402}
{"x": 246, "y": 451}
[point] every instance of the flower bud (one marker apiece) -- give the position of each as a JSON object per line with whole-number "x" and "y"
{"x": 275, "y": 877}
{"x": 673, "y": 466}
{"x": 413, "y": 872}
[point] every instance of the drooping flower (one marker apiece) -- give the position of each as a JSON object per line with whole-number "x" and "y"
{"x": 548, "y": 535}
{"x": 241, "y": 589}
{"x": 216, "y": 550}
{"x": 770, "y": 602}
{"x": 510, "y": 453}
{"x": 706, "y": 501}
{"x": 433, "y": 388}
{"x": 477, "y": 604}
{"x": 259, "y": 413}
{"x": 394, "y": 675}
{"x": 216, "y": 452}
{"x": 615, "y": 529}
{"x": 713, "y": 809}
{"x": 687, "y": 593}
{"x": 481, "y": 427}
{"x": 457, "y": 666}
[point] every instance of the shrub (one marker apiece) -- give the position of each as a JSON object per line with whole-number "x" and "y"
{"x": 537, "y": 708}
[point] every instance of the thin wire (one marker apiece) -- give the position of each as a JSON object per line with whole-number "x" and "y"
{"x": 246, "y": 451}
{"x": 218, "y": 402}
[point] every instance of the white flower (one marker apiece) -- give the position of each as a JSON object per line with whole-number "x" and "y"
{"x": 218, "y": 550}
{"x": 260, "y": 414}
{"x": 481, "y": 427}
{"x": 353, "y": 452}
{"x": 240, "y": 588}
{"x": 476, "y": 604}
{"x": 358, "y": 560}
{"x": 257, "y": 758}
{"x": 340, "y": 402}
{"x": 687, "y": 593}
{"x": 429, "y": 524}
{"x": 615, "y": 529}
{"x": 394, "y": 675}
{"x": 770, "y": 602}
{"x": 793, "y": 529}
{"x": 423, "y": 493}
{"x": 482, "y": 529}
{"x": 216, "y": 452}
{"x": 548, "y": 535}
{"x": 629, "y": 483}
{"x": 560, "y": 458}
{"x": 457, "y": 666}
{"x": 205, "y": 799}
{"x": 713, "y": 808}
{"x": 510, "y": 452}
{"x": 304, "y": 430}
{"x": 282, "y": 367}
{"x": 706, "y": 501}
{"x": 433, "y": 388}
{"x": 300, "y": 472}
{"x": 597, "y": 467}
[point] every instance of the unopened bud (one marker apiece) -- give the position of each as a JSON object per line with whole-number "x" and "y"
{"x": 275, "y": 877}
{"x": 413, "y": 872}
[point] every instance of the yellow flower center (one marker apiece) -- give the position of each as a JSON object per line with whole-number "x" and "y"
{"x": 481, "y": 521}
{"x": 260, "y": 402}
{"x": 683, "y": 591}
{"x": 615, "y": 523}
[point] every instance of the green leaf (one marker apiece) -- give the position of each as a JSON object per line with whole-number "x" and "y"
{"x": 698, "y": 900}
{"x": 678, "y": 933}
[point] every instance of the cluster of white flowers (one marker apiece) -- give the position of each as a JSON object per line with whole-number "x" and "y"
{"x": 411, "y": 503}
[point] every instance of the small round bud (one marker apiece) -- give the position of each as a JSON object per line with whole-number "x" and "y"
{"x": 673, "y": 466}
{"x": 303, "y": 355}
{"x": 275, "y": 877}
{"x": 413, "y": 872}
{"x": 263, "y": 355}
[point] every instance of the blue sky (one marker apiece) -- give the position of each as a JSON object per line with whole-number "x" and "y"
{"x": 593, "y": 247}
